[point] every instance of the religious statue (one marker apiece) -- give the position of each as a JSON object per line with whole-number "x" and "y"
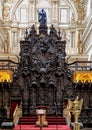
{"x": 42, "y": 17}
{"x": 75, "y": 107}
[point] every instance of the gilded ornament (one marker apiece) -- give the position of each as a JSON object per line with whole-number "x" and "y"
{"x": 82, "y": 76}
{"x": 6, "y": 75}
{"x": 6, "y": 11}
{"x": 79, "y": 4}
{"x": 75, "y": 107}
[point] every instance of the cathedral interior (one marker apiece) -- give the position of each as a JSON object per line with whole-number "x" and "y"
{"x": 45, "y": 62}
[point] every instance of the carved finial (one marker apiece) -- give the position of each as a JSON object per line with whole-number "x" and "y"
{"x": 26, "y": 34}
{"x": 32, "y": 30}
{"x": 59, "y": 34}
{"x": 53, "y": 30}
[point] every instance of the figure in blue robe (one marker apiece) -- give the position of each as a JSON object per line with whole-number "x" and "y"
{"x": 42, "y": 17}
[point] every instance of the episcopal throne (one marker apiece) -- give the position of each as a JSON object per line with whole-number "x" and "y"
{"x": 42, "y": 77}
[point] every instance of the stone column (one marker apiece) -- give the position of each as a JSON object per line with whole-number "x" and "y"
{"x": 55, "y": 11}
{"x": 32, "y": 10}
{"x": 79, "y": 43}
{"x": 72, "y": 38}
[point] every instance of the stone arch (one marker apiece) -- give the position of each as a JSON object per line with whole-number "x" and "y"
{"x": 18, "y": 2}
{"x": 14, "y": 7}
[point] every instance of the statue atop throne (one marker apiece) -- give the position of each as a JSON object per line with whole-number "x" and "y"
{"x": 42, "y": 17}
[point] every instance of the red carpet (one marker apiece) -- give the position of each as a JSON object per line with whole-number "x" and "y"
{"x": 52, "y": 120}
{"x": 50, "y": 127}
{"x": 54, "y": 123}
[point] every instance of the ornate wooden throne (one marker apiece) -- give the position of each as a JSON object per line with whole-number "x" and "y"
{"x": 42, "y": 77}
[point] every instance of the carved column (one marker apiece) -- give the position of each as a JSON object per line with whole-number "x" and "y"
{"x": 32, "y": 11}
{"x": 32, "y": 99}
{"x": 59, "y": 96}
{"x": 60, "y": 74}
{"x": 25, "y": 98}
